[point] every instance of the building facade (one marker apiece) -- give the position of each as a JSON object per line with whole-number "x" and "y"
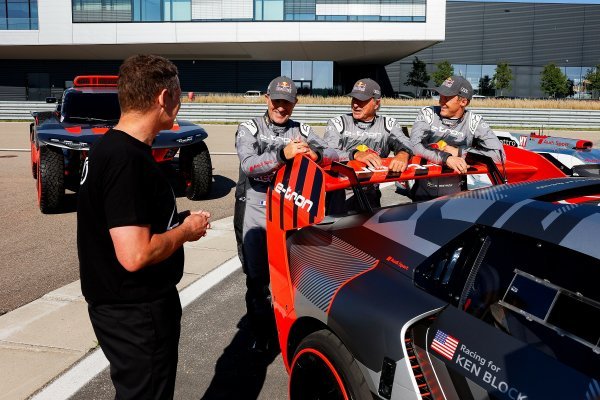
{"x": 220, "y": 45}
{"x": 324, "y": 45}
{"x": 526, "y": 35}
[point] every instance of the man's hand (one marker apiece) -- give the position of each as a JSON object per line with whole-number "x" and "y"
{"x": 295, "y": 147}
{"x": 458, "y": 164}
{"x": 368, "y": 157}
{"x": 399, "y": 162}
{"x": 196, "y": 225}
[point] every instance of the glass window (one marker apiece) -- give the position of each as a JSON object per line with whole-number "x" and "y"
{"x": 301, "y": 70}
{"x": 182, "y": 10}
{"x": 3, "y": 15}
{"x": 18, "y": 14}
{"x": 322, "y": 75}
{"x": 473, "y": 74}
{"x": 137, "y": 10}
{"x": 273, "y": 10}
{"x": 167, "y": 10}
{"x": 258, "y": 10}
{"x": 286, "y": 68}
{"x": 151, "y": 10}
{"x": 460, "y": 69}
{"x": 102, "y": 10}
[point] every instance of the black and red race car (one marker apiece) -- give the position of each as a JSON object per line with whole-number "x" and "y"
{"x": 574, "y": 157}
{"x": 486, "y": 294}
{"x": 60, "y": 140}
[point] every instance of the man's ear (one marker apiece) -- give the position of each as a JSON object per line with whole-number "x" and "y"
{"x": 464, "y": 101}
{"x": 377, "y": 104}
{"x": 162, "y": 97}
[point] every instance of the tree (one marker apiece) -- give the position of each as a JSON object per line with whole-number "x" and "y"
{"x": 553, "y": 82}
{"x": 502, "y": 77}
{"x": 486, "y": 86}
{"x": 570, "y": 88}
{"x": 418, "y": 76}
{"x": 593, "y": 80}
{"x": 443, "y": 70}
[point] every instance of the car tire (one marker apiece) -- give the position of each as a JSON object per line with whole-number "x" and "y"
{"x": 323, "y": 368}
{"x": 50, "y": 179}
{"x": 196, "y": 166}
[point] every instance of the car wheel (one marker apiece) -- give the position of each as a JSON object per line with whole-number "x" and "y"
{"x": 50, "y": 179}
{"x": 323, "y": 368}
{"x": 196, "y": 166}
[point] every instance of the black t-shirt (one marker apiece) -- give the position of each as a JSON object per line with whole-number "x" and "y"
{"x": 122, "y": 185}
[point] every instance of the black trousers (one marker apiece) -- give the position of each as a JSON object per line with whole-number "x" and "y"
{"x": 141, "y": 342}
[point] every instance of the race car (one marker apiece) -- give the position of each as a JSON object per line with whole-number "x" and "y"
{"x": 61, "y": 139}
{"x": 485, "y": 294}
{"x": 575, "y": 157}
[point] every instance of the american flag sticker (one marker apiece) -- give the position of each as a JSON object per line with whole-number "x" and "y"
{"x": 444, "y": 344}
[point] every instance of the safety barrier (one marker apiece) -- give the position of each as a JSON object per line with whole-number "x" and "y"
{"x": 315, "y": 113}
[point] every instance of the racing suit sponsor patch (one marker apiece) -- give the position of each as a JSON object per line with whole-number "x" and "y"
{"x": 389, "y": 123}
{"x": 251, "y": 126}
{"x": 338, "y": 122}
{"x": 426, "y": 115}
{"x": 304, "y": 130}
{"x": 474, "y": 120}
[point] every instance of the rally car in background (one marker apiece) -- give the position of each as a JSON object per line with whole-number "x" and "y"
{"x": 575, "y": 157}
{"x": 486, "y": 294}
{"x": 61, "y": 139}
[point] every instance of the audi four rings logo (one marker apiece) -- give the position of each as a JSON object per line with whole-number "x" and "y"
{"x": 298, "y": 200}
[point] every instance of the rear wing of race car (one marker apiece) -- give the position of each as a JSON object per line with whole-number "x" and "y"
{"x": 297, "y": 198}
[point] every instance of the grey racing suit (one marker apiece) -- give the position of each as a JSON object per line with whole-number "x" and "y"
{"x": 259, "y": 143}
{"x": 382, "y": 135}
{"x": 470, "y": 133}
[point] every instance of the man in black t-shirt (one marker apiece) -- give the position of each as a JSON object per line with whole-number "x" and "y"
{"x": 130, "y": 236}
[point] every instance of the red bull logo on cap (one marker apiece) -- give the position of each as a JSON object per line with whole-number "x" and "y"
{"x": 448, "y": 82}
{"x": 361, "y": 86}
{"x": 284, "y": 87}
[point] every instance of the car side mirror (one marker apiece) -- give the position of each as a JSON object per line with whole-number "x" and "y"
{"x": 51, "y": 99}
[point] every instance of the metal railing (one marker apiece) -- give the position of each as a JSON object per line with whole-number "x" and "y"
{"x": 313, "y": 113}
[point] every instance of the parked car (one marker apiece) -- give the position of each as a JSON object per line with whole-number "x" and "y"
{"x": 253, "y": 93}
{"x": 575, "y": 157}
{"x": 486, "y": 294}
{"x": 61, "y": 139}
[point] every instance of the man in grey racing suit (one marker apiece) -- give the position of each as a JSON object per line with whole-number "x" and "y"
{"x": 367, "y": 137}
{"x": 444, "y": 134}
{"x": 263, "y": 145}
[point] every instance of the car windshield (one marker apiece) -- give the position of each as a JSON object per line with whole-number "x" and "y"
{"x": 90, "y": 107}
